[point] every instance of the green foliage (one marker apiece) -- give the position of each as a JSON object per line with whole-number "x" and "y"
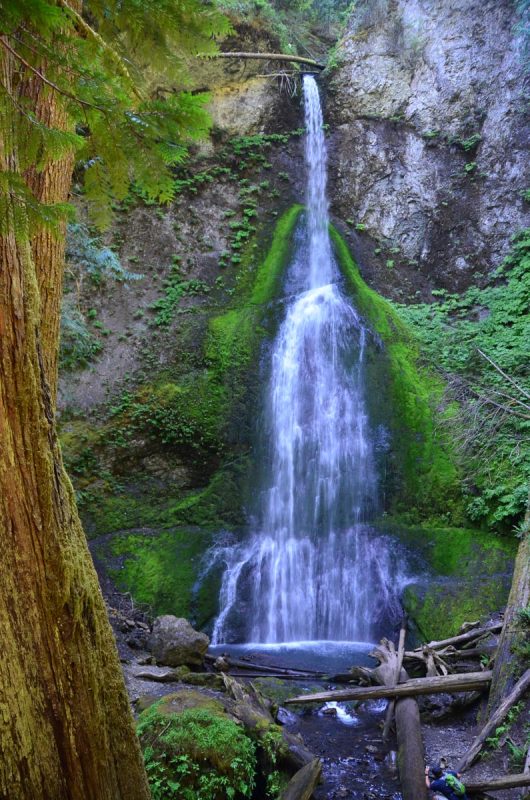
{"x": 78, "y": 344}
{"x": 513, "y": 713}
{"x": 493, "y": 425}
{"x": 171, "y": 414}
{"x": 175, "y": 287}
{"x": 196, "y": 755}
{"x": 119, "y": 132}
{"x": 470, "y": 167}
{"x": 86, "y": 259}
{"x": 86, "y": 256}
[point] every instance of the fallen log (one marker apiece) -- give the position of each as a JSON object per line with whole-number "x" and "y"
{"x": 466, "y": 682}
{"x": 522, "y": 685}
{"x": 498, "y": 784}
{"x": 251, "y": 665}
{"x": 475, "y": 633}
{"x": 303, "y": 783}
{"x": 268, "y": 57}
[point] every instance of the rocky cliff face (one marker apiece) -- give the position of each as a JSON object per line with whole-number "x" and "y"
{"x": 429, "y": 140}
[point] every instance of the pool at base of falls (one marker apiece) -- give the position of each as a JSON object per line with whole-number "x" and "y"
{"x": 319, "y": 656}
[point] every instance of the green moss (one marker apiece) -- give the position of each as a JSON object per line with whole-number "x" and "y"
{"x": 439, "y": 610}
{"x": 160, "y": 569}
{"x": 463, "y": 575}
{"x": 195, "y": 754}
{"x": 428, "y": 477}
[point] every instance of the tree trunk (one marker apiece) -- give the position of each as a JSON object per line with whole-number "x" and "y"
{"x": 475, "y": 633}
{"x": 66, "y": 730}
{"x": 269, "y": 57}
{"x": 411, "y": 758}
{"x": 507, "y": 665}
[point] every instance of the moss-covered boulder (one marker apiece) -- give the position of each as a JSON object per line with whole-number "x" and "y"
{"x": 459, "y": 575}
{"x": 179, "y": 731}
{"x": 193, "y": 751}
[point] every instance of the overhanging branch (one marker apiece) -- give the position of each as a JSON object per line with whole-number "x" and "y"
{"x": 268, "y": 57}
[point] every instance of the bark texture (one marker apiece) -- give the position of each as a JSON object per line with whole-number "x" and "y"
{"x": 66, "y": 730}
{"x": 506, "y": 663}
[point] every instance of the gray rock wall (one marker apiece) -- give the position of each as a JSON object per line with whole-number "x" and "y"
{"x": 429, "y": 142}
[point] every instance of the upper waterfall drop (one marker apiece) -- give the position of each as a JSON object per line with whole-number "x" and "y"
{"x": 312, "y": 569}
{"x": 320, "y": 271}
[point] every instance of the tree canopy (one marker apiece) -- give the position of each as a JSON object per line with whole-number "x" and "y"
{"x": 99, "y": 64}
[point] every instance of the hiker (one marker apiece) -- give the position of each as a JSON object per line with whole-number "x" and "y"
{"x": 446, "y": 783}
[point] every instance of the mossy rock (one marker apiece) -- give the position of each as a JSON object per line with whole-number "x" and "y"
{"x": 160, "y": 569}
{"x": 405, "y": 398}
{"x": 439, "y": 609}
{"x": 193, "y": 751}
{"x": 462, "y": 575}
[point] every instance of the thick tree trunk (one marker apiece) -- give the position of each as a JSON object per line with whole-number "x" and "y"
{"x": 411, "y": 758}
{"x": 66, "y": 731}
{"x": 507, "y": 665}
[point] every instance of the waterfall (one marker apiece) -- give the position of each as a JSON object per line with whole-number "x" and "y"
{"x": 312, "y": 568}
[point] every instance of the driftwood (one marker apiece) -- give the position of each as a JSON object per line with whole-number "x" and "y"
{"x": 494, "y": 721}
{"x": 303, "y": 782}
{"x": 159, "y": 677}
{"x": 466, "y": 682}
{"x": 475, "y": 633}
{"x": 399, "y": 663}
{"x": 269, "y": 57}
{"x": 498, "y": 784}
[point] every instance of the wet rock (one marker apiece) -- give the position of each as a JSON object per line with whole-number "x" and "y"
{"x": 175, "y": 643}
{"x": 137, "y": 639}
{"x": 285, "y": 717}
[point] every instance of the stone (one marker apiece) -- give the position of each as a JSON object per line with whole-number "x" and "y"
{"x": 175, "y": 643}
{"x": 404, "y": 104}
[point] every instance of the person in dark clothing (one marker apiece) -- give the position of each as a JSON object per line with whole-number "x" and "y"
{"x": 440, "y": 785}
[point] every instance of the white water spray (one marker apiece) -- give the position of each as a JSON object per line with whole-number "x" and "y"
{"x": 312, "y": 568}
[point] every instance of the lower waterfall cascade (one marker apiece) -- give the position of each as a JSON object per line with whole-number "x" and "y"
{"x": 312, "y": 567}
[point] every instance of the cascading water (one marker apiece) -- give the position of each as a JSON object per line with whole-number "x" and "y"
{"x": 312, "y": 569}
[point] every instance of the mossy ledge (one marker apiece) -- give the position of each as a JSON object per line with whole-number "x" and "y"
{"x": 425, "y": 480}
{"x": 200, "y": 421}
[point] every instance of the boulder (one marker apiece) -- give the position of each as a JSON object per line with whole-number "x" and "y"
{"x": 174, "y": 643}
